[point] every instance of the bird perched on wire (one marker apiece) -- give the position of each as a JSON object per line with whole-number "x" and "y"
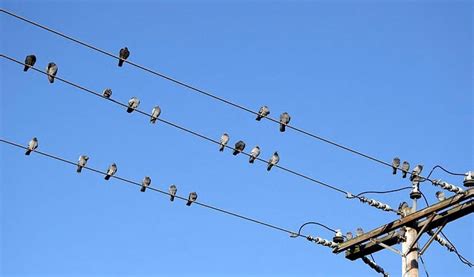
{"x": 254, "y": 154}
{"x": 284, "y": 120}
{"x": 172, "y": 190}
{"x": 155, "y": 113}
{"x": 30, "y": 61}
{"x": 395, "y": 164}
{"x": 145, "y": 183}
{"x": 239, "y": 147}
{"x": 263, "y": 112}
{"x": 224, "y": 141}
{"x": 273, "y": 161}
{"x": 191, "y": 198}
{"x": 107, "y": 93}
{"x": 51, "y": 69}
{"x": 111, "y": 171}
{"x": 405, "y": 168}
{"x": 416, "y": 172}
{"x": 81, "y": 162}
{"x": 32, "y": 145}
{"x": 133, "y": 104}
{"x": 123, "y": 54}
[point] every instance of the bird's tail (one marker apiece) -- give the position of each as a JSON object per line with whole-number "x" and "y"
{"x": 107, "y": 177}
{"x": 172, "y": 197}
{"x": 412, "y": 177}
{"x": 26, "y": 68}
{"x": 404, "y": 174}
{"x": 129, "y": 110}
{"x": 222, "y": 148}
{"x": 235, "y": 152}
{"x": 51, "y": 79}
{"x": 189, "y": 203}
{"x": 153, "y": 120}
{"x": 251, "y": 160}
{"x": 28, "y": 152}
{"x": 258, "y": 117}
{"x": 143, "y": 189}
{"x": 269, "y": 167}
{"x": 120, "y": 62}
{"x": 282, "y": 127}
{"x": 394, "y": 171}
{"x": 79, "y": 169}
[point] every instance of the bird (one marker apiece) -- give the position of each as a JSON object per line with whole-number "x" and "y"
{"x": 254, "y": 154}
{"x": 30, "y": 61}
{"x": 284, "y": 120}
{"x": 32, "y": 145}
{"x": 133, "y": 104}
{"x": 155, "y": 113}
{"x": 349, "y": 235}
{"x": 191, "y": 198}
{"x": 224, "y": 141}
{"x": 51, "y": 69}
{"x": 264, "y": 111}
{"x": 405, "y": 168}
{"x": 273, "y": 161}
{"x": 173, "y": 191}
{"x": 145, "y": 183}
{"x": 416, "y": 172}
{"x": 395, "y": 164}
{"x": 111, "y": 171}
{"x": 81, "y": 163}
{"x": 107, "y": 93}
{"x": 123, "y": 54}
{"x": 338, "y": 237}
{"x": 403, "y": 209}
{"x": 440, "y": 195}
{"x": 359, "y": 232}
{"x": 239, "y": 147}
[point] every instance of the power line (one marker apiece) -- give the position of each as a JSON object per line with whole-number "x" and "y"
{"x": 445, "y": 170}
{"x": 382, "y": 192}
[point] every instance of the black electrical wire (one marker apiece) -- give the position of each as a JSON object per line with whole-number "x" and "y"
{"x": 382, "y": 192}
{"x": 442, "y": 168}
{"x": 314, "y": 223}
{"x": 424, "y": 266}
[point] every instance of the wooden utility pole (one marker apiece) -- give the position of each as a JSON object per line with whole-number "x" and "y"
{"x": 410, "y": 250}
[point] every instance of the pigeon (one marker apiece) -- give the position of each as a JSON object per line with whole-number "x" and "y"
{"x": 264, "y": 111}
{"x": 359, "y": 232}
{"x": 145, "y": 183}
{"x": 107, "y": 93}
{"x": 284, "y": 120}
{"x": 338, "y": 237}
{"x": 132, "y": 104}
{"x": 32, "y": 145}
{"x": 349, "y": 235}
{"x": 273, "y": 161}
{"x": 172, "y": 191}
{"x": 224, "y": 141}
{"x": 440, "y": 195}
{"x": 155, "y": 113}
{"x": 29, "y": 62}
{"x": 254, "y": 154}
{"x": 403, "y": 209}
{"x": 111, "y": 171}
{"x": 416, "y": 172}
{"x": 81, "y": 163}
{"x": 239, "y": 147}
{"x": 124, "y": 53}
{"x": 52, "y": 69}
{"x": 191, "y": 198}
{"x": 405, "y": 168}
{"x": 395, "y": 164}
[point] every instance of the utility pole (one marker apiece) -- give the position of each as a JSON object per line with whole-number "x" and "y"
{"x": 410, "y": 245}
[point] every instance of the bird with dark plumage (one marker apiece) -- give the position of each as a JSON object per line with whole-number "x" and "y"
{"x": 284, "y": 120}
{"x": 32, "y": 145}
{"x": 111, "y": 171}
{"x": 395, "y": 164}
{"x": 30, "y": 61}
{"x": 155, "y": 113}
{"x": 145, "y": 183}
{"x": 239, "y": 147}
{"x": 172, "y": 190}
{"x": 416, "y": 172}
{"x": 263, "y": 112}
{"x": 254, "y": 154}
{"x": 405, "y": 168}
{"x": 81, "y": 163}
{"x": 123, "y": 54}
{"x": 224, "y": 141}
{"x": 51, "y": 69}
{"x": 273, "y": 161}
{"x": 133, "y": 104}
{"x": 107, "y": 93}
{"x": 191, "y": 198}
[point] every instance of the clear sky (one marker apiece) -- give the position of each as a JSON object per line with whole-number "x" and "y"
{"x": 389, "y": 78}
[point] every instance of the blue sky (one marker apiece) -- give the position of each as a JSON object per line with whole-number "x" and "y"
{"x": 389, "y": 78}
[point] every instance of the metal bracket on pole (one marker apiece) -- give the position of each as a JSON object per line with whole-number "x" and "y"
{"x": 440, "y": 228}
{"x": 396, "y": 251}
{"x": 420, "y": 233}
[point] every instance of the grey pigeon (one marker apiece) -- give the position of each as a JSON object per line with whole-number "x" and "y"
{"x": 254, "y": 154}
{"x": 32, "y": 145}
{"x": 273, "y": 161}
{"x": 145, "y": 183}
{"x": 133, "y": 104}
{"x": 191, "y": 198}
{"x": 403, "y": 209}
{"x": 416, "y": 172}
{"x": 173, "y": 191}
{"x": 107, "y": 93}
{"x": 29, "y": 62}
{"x": 224, "y": 141}
{"x": 440, "y": 195}
{"x": 111, "y": 171}
{"x": 395, "y": 164}
{"x": 124, "y": 53}
{"x": 359, "y": 232}
{"x": 284, "y": 120}
{"x": 264, "y": 111}
{"x": 239, "y": 147}
{"x": 81, "y": 163}
{"x": 405, "y": 168}
{"x": 349, "y": 235}
{"x": 51, "y": 69}
{"x": 155, "y": 113}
